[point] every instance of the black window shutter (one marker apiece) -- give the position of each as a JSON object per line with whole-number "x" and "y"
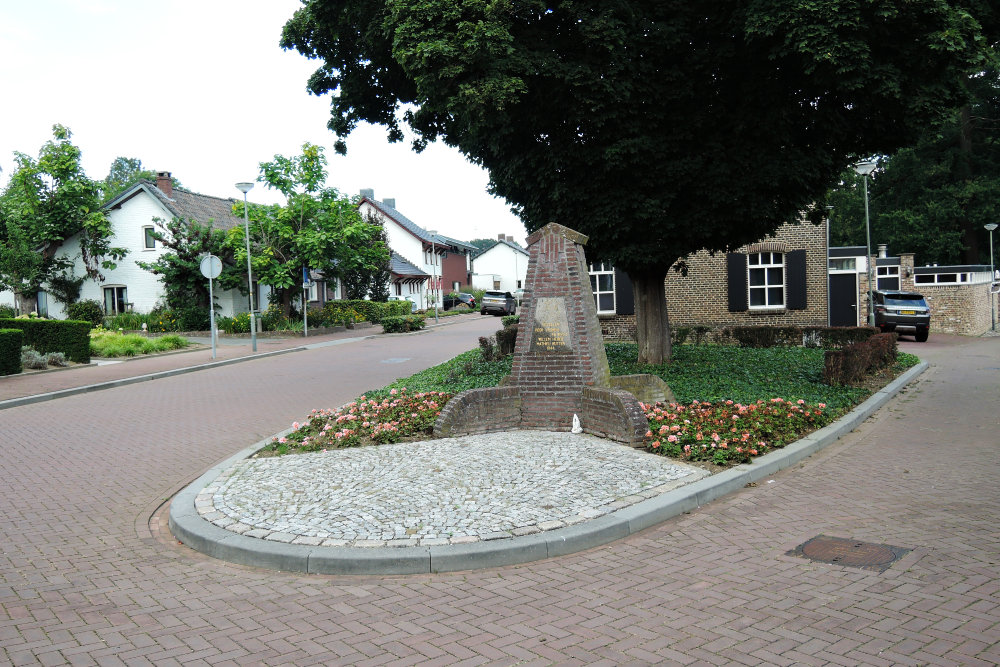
{"x": 624, "y": 298}
{"x": 795, "y": 278}
{"x": 736, "y": 272}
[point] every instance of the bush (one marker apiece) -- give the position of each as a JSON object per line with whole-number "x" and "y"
{"x": 854, "y": 361}
{"x": 56, "y": 359}
{"x": 507, "y": 340}
{"x": 764, "y": 336}
{"x": 11, "y": 341}
{"x": 193, "y": 318}
{"x": 72, "y": 338}
{"x": 508, "y": 320}
{"x": 30, "y": 358}
{"x": 403, "y": 324}
{"x": 87, "y": 310}
{"x": 127, "y": 321}
{"x": 7, "y": 311}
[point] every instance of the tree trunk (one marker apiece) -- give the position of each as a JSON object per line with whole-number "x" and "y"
{"x": 26, "y": 303}
{"x": 651, "y": 327}
{"x": 970, "y": 230}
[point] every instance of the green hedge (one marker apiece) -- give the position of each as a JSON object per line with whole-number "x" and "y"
{"x": 792, "y": 336}
{"x": 11, "y": 341}
{"x": 70, "y": 337}
{"x": 373, "y": 311}
{"x": 403, "y": 324}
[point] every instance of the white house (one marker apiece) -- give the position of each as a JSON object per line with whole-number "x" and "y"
{"x": 133, "y": 214}
{"x": 425, "y": 265}
{"x": 503, "y": 266}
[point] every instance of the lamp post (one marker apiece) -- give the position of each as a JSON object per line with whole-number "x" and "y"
{"x": 245, "y": 188}
{"x": 865, "y": 169}
{"x": 993, "y": 306}
{"x": 433, "y": 233}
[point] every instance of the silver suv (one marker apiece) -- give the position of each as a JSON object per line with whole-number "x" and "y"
{"x": 903, "y": 312}
{"x": 498, "y": 303}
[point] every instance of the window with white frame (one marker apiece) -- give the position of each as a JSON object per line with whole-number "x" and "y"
{"x": 149, "y": 241}
{"x": 888, "y": 277}
{"x": 766, "y": 279}
{"x": 602, "y": 284}
{"x": 115, "y": 300}
{"x": 942, "y": 278}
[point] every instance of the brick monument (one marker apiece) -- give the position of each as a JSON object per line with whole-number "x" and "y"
{"x": 560, "y": 366}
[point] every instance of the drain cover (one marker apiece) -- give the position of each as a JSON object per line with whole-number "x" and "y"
{"x": 853, "y": 553}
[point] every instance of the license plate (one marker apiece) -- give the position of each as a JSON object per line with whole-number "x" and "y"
{"x": 907, "y": 312}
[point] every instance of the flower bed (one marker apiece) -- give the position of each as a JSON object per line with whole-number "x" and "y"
{"x": 728, "y": 433}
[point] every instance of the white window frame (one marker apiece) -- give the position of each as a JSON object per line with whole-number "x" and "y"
{"x": 764, "y": 264}
{"x": 886, "y": 272}
{"x": 147, "y": 239}
{"x": 600, "y": 291}
{"x": 943, "y": 278}
{"x": 115, "y": 301}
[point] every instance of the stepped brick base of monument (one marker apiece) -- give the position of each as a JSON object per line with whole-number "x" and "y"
{"x": 608, "y": 413}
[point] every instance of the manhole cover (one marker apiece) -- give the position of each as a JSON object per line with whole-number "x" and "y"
{"x": 853, "y": 553}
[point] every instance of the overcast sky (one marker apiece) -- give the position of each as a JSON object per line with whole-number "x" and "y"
{"x": 201, "y": 89}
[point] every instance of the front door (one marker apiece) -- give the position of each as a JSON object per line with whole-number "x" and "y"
{"x": 843, "y": 299}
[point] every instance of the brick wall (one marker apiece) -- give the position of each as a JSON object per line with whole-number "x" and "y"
{"x": 701, "y": 297}
{"x": 955, "y": 309}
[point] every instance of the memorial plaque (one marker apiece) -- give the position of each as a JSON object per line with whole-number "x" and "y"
{"x": 550, "y": 330}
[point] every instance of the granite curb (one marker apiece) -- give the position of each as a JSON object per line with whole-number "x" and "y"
{"x": 189, "y": 527}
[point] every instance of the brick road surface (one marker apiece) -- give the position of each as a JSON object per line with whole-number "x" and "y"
{"x": 90, "y": 575}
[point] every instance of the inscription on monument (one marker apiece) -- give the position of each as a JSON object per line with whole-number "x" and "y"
{"x": 550, "y": 333}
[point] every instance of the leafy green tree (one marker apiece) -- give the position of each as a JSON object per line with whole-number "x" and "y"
{"x": 125, "y": 172}
{"x": 656, "y": 128}
{"x": 316, "y": 228}
{"x": 934, "y": 197}
{"x": 185, "y": 288}
{"x": 369, "y": 274}
{"x": 47, "y": 201}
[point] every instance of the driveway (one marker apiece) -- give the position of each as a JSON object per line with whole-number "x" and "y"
{"x": 89, "y": 574}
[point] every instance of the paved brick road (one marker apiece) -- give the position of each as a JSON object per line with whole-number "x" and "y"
{"x": 88, "y": 577}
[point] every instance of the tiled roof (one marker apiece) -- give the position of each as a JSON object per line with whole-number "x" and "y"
{"x": 509, "y": 244}
{"x": 399, "y": 266}
{"x": 186, "y": 205}
{"x": 403, "y": 221}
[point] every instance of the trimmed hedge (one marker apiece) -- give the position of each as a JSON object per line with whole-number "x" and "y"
{"x": 11, "y": 341}
{"x": 854, "y": 361}
{"x": 402, "y": 324}
{"x": 70, "y": 337}
{"x": 825, "y": 337}
{"x": 373, "y": 311}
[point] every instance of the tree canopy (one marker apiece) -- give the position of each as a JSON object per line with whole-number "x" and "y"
{"x": 933, "y": 198}
{"x": 47, "y": 201}
{"x": 316, "y": 228}
{"x": 655, "y": 128}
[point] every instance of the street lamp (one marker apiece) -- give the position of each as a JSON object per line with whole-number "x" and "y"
{"x": 865, "y": 169}
{"x": 993, "y": 276}
{"x": 245, "y": 188}
{"x": 433, "y": 233}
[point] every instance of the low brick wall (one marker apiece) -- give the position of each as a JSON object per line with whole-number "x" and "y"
{"x": 958, "y": 309}
{"x": 480, "y": 411}
{"x": 614, "y": 414}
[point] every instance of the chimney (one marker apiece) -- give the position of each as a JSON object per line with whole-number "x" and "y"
{"x": 883, "y": 250}
{"x": 501, "y": 237}
{"x": 368, "y": 193}
{"x": 164, "y": 183}
{"x": 391, "y": 203}
{"x": 510, "y": 238}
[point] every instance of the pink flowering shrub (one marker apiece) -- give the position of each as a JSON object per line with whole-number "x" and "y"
{"x": 728, "y": 433}
{"x": 364, "y": 422}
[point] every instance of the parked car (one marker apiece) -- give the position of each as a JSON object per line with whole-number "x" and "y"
{"x": 457, "y": 299}
{"x": 902, "y": 312}
{"x": 413, "y": 305}
{"x": 498, "y": 303}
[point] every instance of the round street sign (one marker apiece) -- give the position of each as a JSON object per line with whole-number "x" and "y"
{"x": 211, "y": 266}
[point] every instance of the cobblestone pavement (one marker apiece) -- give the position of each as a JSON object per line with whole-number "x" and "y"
{"x": 425, "y": 494}
{"x": 89, "y": 574}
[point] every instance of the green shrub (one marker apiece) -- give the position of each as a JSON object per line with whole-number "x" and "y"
{"x": 56, "y": 359}
{"x": 87, "y": 310}
{"x": 765, "y": 336}
{"x": 852, "y": 362}
{"x": 7, "y": 311}
{"x": 72, "y": 338}
{"x": 508, "y": 320}
{"x": 402, "y": 324}
{"x": 507, "y": 340}
{"x": 113, "y": 344}
{"x": 11, "y": 341}
{"x": 193, "y": 318}
{"x": 126, "y": 321}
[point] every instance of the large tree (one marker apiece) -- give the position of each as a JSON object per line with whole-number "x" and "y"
{"x": 316, "y": 228}
{"x": 47, "y": 201}
{"x": 656, "y": 128}
{"x": 933, "y": 198}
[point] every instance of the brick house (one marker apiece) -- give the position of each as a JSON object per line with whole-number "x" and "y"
{"x": 780, "y": 280}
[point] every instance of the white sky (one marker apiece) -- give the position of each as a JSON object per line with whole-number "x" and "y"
{"x": 202, "y": 89}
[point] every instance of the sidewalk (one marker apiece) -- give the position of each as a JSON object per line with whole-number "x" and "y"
{"x": 45, "y": 385}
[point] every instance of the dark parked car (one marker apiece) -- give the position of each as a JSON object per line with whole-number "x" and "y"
{"x": 498, "y": 303}
{"x": 457, "y": 299}
{"x": 902, "y": 312}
